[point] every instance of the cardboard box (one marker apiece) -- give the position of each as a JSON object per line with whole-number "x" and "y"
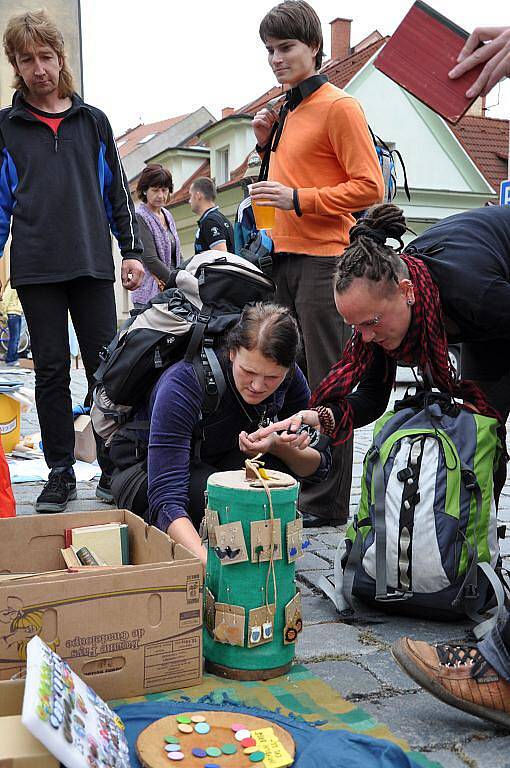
{"x": 19, "y": 749}
{"x": 26, "y": 362}
{"x": 84, "y": 441}
{"x": 126, "y": 631}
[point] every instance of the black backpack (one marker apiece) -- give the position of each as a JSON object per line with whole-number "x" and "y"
{"x": 186, "y": 321}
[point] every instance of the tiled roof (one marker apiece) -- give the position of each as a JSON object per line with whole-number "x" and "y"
{"x": 130, "y": 140}
{"x": 253, "y": 106}
{"x": 182, "y": 194}
{"x": 340, "y": 72}
{"x": 485, "y": 139}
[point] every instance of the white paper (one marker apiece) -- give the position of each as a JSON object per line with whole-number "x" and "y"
{"x": 35, "y": 470}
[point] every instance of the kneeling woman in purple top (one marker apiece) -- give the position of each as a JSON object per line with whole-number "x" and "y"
{"x": 264, "y": 384}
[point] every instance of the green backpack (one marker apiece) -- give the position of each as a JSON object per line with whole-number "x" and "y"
{"x": 425, "y": 540}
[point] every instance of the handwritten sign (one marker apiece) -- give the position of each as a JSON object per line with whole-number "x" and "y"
{"x": 276, "y": 756}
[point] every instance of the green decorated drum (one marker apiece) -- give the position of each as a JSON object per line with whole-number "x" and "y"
{"x": 252, "y": 611}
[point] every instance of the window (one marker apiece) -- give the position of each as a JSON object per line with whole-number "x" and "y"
{"x": 222, "y": 170}
{"x": 147, "y": 138}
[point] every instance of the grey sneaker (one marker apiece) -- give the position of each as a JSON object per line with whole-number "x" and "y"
{"x": 103, "y": 489}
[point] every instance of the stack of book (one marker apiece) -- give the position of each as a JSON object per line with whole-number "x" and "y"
{"x": 98, "y": 545}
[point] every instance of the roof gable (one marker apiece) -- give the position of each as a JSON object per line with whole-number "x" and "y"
{"x": 130, "y": 140}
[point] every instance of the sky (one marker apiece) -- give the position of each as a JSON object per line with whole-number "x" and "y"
{"x": 147, "y": 61}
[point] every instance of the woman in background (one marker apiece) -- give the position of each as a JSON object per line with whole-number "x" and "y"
{"x": 161, "y": 246}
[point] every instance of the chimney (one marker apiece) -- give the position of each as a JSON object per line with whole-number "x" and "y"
{"x": 227, "y": 111}
{"x": 340, "y": 38}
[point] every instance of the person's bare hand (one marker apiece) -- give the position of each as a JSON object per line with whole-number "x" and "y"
{"x": 262, "y": 125}
{"x": 266, "y": 193}
{"x": 132, "y": 274}
{"x": 495, "y": 53}
{"x": 251, "y": 445}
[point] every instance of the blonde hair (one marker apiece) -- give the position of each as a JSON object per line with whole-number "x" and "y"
{"x": 27, "y": 29}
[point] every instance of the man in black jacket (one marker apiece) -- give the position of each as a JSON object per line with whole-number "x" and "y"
{"x": 62, "y": 189}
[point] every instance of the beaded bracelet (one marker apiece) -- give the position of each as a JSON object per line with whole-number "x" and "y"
{"x": 326, "y": 419}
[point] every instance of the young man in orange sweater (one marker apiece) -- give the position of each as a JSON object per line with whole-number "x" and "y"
{"x": 322, "y": 168}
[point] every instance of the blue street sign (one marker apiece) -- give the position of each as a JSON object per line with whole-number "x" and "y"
{"x": 504, "y": 193}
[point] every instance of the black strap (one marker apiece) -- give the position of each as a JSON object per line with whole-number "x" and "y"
{"x": 264, "y": 166}
{"x": 198, "y": 334}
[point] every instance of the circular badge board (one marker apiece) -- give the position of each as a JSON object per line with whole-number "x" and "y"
{"x": 150, "y": 744}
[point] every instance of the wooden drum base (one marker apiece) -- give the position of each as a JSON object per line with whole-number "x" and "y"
{"x": 246, "y": 674}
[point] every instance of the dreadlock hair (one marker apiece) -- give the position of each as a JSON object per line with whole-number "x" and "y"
{"x": 368, "y": 255}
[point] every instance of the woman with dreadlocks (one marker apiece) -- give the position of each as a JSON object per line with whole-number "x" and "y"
{"x": 450, "y": 285}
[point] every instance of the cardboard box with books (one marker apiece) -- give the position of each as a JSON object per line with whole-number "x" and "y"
{"x": 127, "y": 630}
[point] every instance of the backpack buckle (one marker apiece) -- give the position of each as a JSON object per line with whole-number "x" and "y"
{"x": 394, "y": 597}
{"x": 471, "y": 592}
{"x": 103, "y": 354}
{"x": 265, "y": 263}
{"x": 373, "y": 453}
{"x": 469, "y": 479}
{"x": 405, "y": 474}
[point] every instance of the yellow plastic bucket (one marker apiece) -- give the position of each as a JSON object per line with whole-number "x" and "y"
{"x": 9, "y": 422}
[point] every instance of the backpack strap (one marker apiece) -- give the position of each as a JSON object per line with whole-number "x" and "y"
{"x": 198, "y": 334}
{"x": 212, "y": 381}
{"x": 487, "y": 619}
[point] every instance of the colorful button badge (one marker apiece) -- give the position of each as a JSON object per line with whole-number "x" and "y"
{"x": 197, "y": 719}
{"x": 257, "y": 757}
{"x": 185, "y": 728}
{"x": 243, "y": 733}
{"x": 202, "y": 728}
{"x": 196, "y": 752}
{"x": 229, "y": 749}
{"x": 183, "y": 719}
{"x": 171, "y": 739}
{"x": 213, "y": 752}
{"x": 172, "y": 748}
{"x": 177, "y": 756}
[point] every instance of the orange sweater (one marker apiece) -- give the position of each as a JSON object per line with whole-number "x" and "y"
{"x": 328, "y": 155}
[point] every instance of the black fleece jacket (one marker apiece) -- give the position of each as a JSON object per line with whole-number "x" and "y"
{"x": 64, "y": 192}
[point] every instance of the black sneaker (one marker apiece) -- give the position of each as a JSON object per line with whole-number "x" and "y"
{"x": 60, "y": 488}
{"x": 103, "y": 489}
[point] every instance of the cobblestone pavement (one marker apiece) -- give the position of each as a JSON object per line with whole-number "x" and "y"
{"x": 354, "y": 658}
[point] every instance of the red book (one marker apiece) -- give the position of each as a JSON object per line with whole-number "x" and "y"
{"x": 68, "y": 537}
{"x": 419, "y": 55}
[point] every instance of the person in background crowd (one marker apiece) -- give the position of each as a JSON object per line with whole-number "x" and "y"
{"x": 10, "y": 307}
{"x": 62, "y": 184}
{"x": 158, "y": 233}
{"x": 214, "y": 231}
{"x": 322, "y": 168}
{"x": 263, "y": 383}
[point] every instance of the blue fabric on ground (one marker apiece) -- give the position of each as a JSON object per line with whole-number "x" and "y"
{"x": 314, "y": 748}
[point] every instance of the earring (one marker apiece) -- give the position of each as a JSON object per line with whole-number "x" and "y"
{"x": 410, "y": 302}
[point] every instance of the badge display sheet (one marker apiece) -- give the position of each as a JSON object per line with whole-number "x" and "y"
{"x": 72, "y": 722}
{"x": 230, "y": 544}
{"x": 261, "y": 534}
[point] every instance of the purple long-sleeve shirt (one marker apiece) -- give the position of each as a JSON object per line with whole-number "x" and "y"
{"x": 175, "y": 411}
